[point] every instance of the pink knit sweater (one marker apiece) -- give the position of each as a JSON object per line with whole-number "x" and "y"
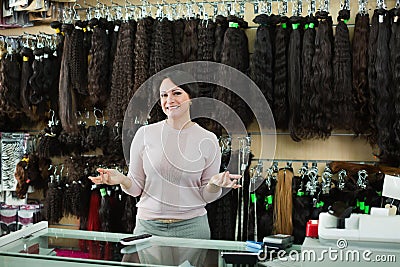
{"x": 170, "y": 168}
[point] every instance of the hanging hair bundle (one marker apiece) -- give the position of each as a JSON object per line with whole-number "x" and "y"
{"x": 342, "y": 104}
{"x": 360, "y": 75}
{"x": 10, "y": 77}
{"x": 294, "y": 77}
{"x": 280, "y": 109}
{"x": 307, "y": 90}
{"x": 321, "y": 103}
{"x": 177, "y": 32}
{"x": 98, "y": 69}
{"x": 67, "y": 101}
{"x": 25, "y": 87}
{"x": 261, "y": 62}
{"x": 221, "y": 25}
{"x": 78, "y": 61}
{"x": 283, "y": 203}
{"x": 190, "y": 41}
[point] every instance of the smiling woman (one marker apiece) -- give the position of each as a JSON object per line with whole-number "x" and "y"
{"x": 173, "y": 167}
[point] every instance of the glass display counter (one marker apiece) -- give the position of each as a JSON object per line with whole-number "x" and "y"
{"x": 40, "y": 246}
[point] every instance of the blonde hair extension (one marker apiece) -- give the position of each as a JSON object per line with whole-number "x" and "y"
{"x": 283, "y": 203}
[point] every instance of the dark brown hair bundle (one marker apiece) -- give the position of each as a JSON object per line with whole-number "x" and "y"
{"x": 10, "y": 76}
{"x": 25, "y": 87}
{"x": 221, "y": 26}
{"x": 98, "y": 69}
{"x": 123, "y": 73}
{"x": 307, "y": 93}
{"x": 360, "y": 74}
{"x": 322, "y": 77}
{"x": 78, "y": 60}
{"x": 384, "y": 98}
{"x": 178, "y": 31}
{"x": 67, "y": 99}
{"x": 294, "y": 76}
{"x": 280, "y": 109}
{"x": 190, "y": 41}
{"x": 342, "y": 103}
{"x": 261, "y": 61}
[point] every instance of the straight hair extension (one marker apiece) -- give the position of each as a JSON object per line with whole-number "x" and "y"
{"x": 67, "y": 100}
{"x": 221, "y": 26}
{"x": 294, "y": 77}
{"x": 342, "y": 108}
{"x": 190, "y": 41}
{"x": 25, "y": 87}
{"x": 280, "y": 109}
{"x": 360, "y": 74}
{"x": 283, "y": 203}
{"x": 177, "y": 32}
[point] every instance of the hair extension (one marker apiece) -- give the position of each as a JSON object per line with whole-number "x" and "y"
{"x": 67, "y": 102}
{"x": 177, "y": 32}
{"x": 190, "y": 41}
{"x": 162, "y": 56}
{"x": 54, "y": 202}
{"x": 123, "y": 73}
{"x": 307, "y": 90}
{"x": 221, "y": 26}
{"x": 235, "y": 53}
{"x": 56, "y": 25}
{"x": 384, "y": 114}
{"x": 283, "y": 203}
{"x": 372, "y": 84}
{"x": 36, "y": 81}
{"x": 322, "y": 77}
{"x": 206, "y": 41}
{"x": 105, "y": 210}
{"x": 342, "y": 108}
{"x": 98, "y": 75}
{"x": 113, "y": 33}
{"x": 294, "y": 77}
{"x": 280, "y": 108}
{"x": 142, "y": 50}
{"x": 261, "y": 62}
{"x": 23, "y": 181}
{"x": 10, "y": 76}
{"x": 360, "y": 74}
{"x": 302, "y": 210}
{"x": 395, "y": 68}
{"x": 26, "y": 89}
{"x": 77, "y": 63}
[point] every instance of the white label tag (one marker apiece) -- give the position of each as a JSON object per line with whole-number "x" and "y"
{"x": 392, "y": 209}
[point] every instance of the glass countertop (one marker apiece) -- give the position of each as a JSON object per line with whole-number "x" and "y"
{"x": 56, "y": 244}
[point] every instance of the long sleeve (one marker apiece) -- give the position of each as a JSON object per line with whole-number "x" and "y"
{"x": 136, "y": 172}
{"x": 213, "y": 164}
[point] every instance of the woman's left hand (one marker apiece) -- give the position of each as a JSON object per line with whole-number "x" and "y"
{"x": 225, "y": 179}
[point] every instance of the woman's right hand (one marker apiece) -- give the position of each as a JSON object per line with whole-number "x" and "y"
{"x": 109, "y": 176}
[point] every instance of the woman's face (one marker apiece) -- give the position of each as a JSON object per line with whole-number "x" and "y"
{"x": 174, "y": 100}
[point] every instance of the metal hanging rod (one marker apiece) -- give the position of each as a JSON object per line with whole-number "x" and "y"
{"x": 313, "y": 160}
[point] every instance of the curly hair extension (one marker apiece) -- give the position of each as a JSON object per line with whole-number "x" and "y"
{"x": 98, "y": 75}
{"x": 129, "y": 214}
{"x": 123, "y": 73}
{"x": 10, "y": 77}
{"x": 206, "y": 41}
{"x": 395, "y": 68}
{"x": 372, "y": 84}
{"x": 360, "y": 74}
{"x": 221, "y": 24}
{"x": 77, "y": 58}
{"x": 294, "y": 77}
{"x": 384, "y": 114}
{"x": 235, "y": 53}
{"x": 342, "y": 104}
{"x": 177, "y": 32}
{"x": 67, "y": 101}
{"x": 307, "y": 92}
{"x": 142, "y": 50}
{"x": 280, "y": 108}
{"x": 261, "y": 62}
{"x": 26, "y": 89}
{"x": 54, "y": 203}
{"x": 113, "y": 33}
{"x": 36, "y": 81}
{"x": 283, "y": 203}
{"x": 190, "y": 41}
{"x": 322, "y": 77}
{"x": 162, "y": 56}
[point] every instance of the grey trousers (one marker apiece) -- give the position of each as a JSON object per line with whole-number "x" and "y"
{"x": 197, "y": 228}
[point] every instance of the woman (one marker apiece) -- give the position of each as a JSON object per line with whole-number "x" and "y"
{"x": 174, "y": 167}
